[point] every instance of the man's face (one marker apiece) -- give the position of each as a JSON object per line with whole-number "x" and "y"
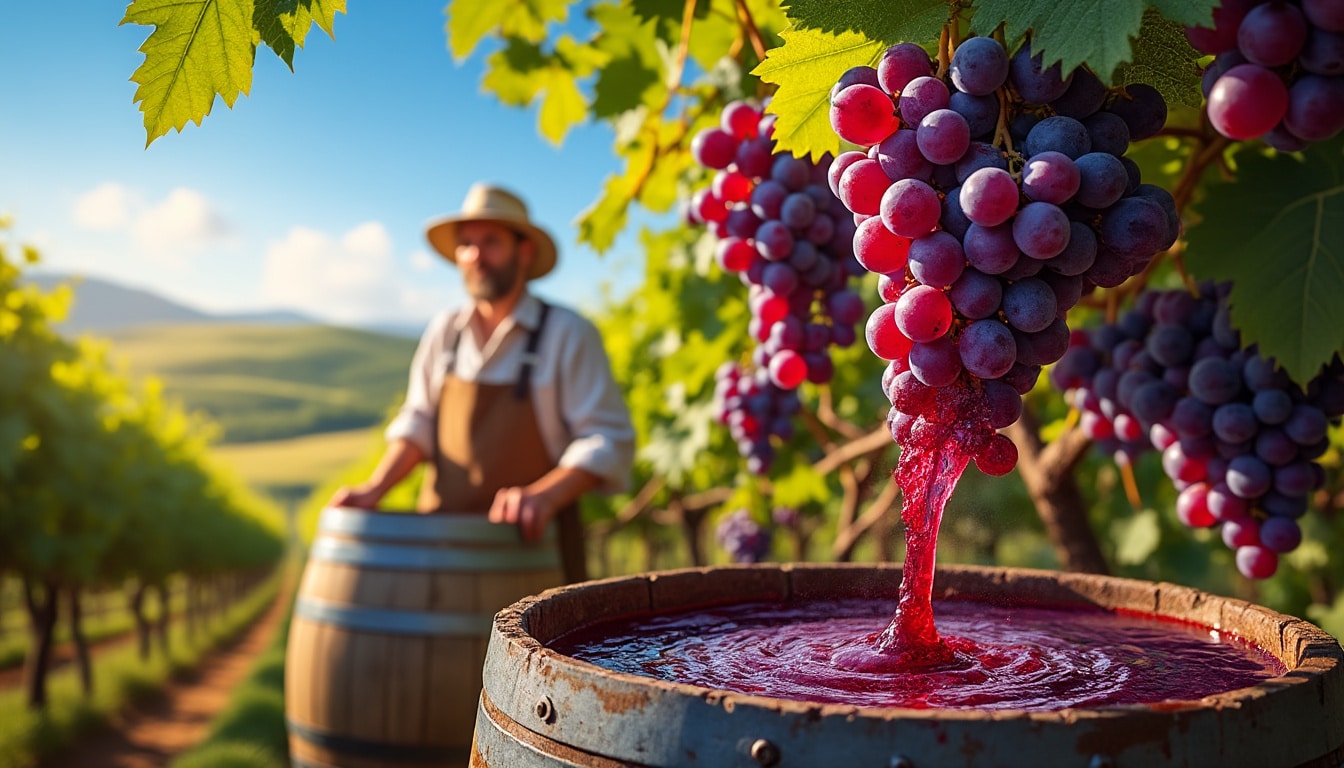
{"x": 493, "y": 259}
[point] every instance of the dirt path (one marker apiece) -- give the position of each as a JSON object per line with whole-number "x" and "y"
{"x": 153, "y": 733}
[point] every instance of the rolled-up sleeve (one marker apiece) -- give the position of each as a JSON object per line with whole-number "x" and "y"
{"x": 415, "y": 421}
{"x": 602, "y": 437}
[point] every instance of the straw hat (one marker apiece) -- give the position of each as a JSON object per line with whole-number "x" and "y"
{"x": 489, "y": 203}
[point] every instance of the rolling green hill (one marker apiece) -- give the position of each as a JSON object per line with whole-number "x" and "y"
{"x": 270, "y": 382}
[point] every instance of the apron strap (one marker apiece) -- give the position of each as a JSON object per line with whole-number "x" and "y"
{"x": 523, "y": 386}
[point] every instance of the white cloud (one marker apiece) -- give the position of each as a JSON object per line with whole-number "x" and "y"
{"x": 424, "y": 261}
{"x": 349, "y": 279}
{"x": 184, "y": 221}
{"x": 105, "y": 208}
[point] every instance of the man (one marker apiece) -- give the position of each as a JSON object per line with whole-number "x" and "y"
{"x": 511, "y": 400}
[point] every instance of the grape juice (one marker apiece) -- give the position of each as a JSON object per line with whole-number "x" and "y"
{"x": 996, "y": 656}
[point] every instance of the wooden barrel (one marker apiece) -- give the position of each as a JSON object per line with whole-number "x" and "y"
{"x": 388, "y": 636}
{"x": 541, "y": 708}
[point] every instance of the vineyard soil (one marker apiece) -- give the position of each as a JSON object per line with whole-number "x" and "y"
{"x": 152, "y": 734}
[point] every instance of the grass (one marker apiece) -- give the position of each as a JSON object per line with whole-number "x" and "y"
{"x": 120, "y": 677}
{"x": 297, "y": 465}
{"x": 263, "y": 382}
{"x": 250, "y": 732}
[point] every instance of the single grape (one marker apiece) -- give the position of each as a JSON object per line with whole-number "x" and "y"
{"x": 1034, "y": 82}
{"x": 863, "y": 114}
{"x": 923, "y": 313}
{"x": 1247, "y": 102}
{"x": 979, "y": 66}
{"x": 900, "y": 64}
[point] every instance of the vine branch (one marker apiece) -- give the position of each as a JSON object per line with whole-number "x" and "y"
{"x": 752, "y": 31}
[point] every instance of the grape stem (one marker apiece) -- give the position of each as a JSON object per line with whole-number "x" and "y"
{"x": 944, "y": 51}
{"x": 748, "y": 26}
{"x": 683, "y": 50}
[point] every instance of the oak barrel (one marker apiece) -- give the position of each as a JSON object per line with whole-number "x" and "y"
{"x": 541, "y": 708}
{"x": 389, "y": 632}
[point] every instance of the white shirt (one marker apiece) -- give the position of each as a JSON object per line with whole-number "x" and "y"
{"x": 580, "y": 412}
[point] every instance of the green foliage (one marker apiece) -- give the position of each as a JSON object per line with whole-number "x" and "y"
{"x": 1164, "y": 59}
{"x": 201, "y": 49}
{"x": 1278, "y": 234}
{"x": 283, "y": 24}
{"x": 804, "y": 70}
{"x": 889, "y": 23}
{"x": 470, "y": 21}
{"x": 1095, "y": 32}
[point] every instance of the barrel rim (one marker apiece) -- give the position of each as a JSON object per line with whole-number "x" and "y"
{"x": 1326, "y": 658}
{"x": 422, "y": 527}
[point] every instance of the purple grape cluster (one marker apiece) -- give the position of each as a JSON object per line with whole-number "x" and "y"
{"x": 755, "y": 409}
{"x": 790, "y": 240}
{"x": 744, "y": 539}
{"x": 1238, "y": 438}
{"x": 1278, "y": 71}
{"x": 987, "y": 227}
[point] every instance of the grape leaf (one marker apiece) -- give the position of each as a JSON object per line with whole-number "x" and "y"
{"x": 896, "y": 21}
{"x": 1194, "y": 13}
{"x": 562, "y": 105}
{"x": 663, "y": 10}
{"x": 631, "y": 76}
{"x": 1278, "y": 234}
{"x": 805, "y": 68}
{"x": 198, "y": 49}
{"x": 1094, "y": 32}
{"x": 469, "y": 21}
{"x": 1136, "y": 538}
{"x": 801, "y": 486}
{"x": 1164, "y": 59}
{"x": 284, "y": 24}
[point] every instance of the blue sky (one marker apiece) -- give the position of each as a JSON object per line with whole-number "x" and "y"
{"x": 310, "y": 194}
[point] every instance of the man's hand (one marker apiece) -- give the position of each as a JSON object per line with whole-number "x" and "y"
{"x": 364, "y": 496}
{"x": 529, "y": 510}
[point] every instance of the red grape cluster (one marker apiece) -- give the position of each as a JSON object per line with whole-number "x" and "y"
{"x": 788, "y": 238}
{"x": 987, "y": 227}
{"x": 744, "y": 539}
{"x": 1278, "y": 71}
{"x": 1239, "y": 440}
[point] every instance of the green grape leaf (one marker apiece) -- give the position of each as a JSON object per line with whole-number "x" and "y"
{"x": 1164, "y": 59}
{"x": 562, "y": 105}
{"x": 198, "y": 49}
{"x": 1194, "y": 13}
{"x": 1278, "y": 234}
{"x": 805, "y": 68}
{"x": 633, "y": 71}
{"x": 1136, "y": 538}
{"x": 799, "y": 487}
{"x": 1329, "y": 617}
{"x": 513, "y": 72}
{"x": 663, "y": 10}
{"x": 673, "y": 450}
{"x": 1092, "y": 32}
{"x": 284, "y": 24}
{"x": 896, "y": 21}
{"x": 469, "y": 21}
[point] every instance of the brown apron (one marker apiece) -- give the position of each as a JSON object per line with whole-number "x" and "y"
{"x": 488, "y": 439}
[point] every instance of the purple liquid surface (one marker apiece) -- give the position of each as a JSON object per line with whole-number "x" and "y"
{"x": 830, "y": 652}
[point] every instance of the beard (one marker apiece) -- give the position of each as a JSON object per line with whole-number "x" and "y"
{"x": 492, "y": 284}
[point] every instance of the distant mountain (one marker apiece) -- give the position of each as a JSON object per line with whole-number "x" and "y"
{"x": 259, "y": 375}
{"x": 102, "y": 306}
